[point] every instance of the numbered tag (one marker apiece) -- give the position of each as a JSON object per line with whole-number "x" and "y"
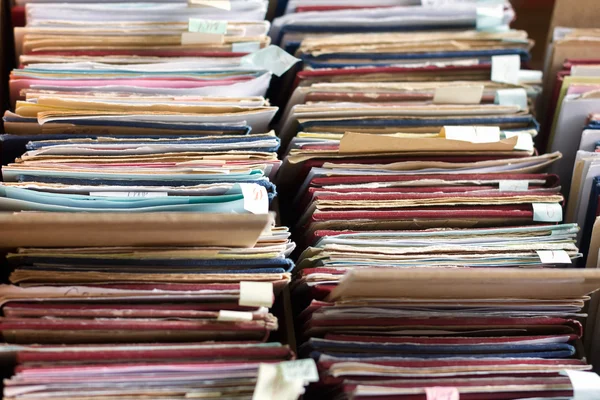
{"x": 305, "y": 370}
{"x": 238, "y": 316}
{"x": 458, "y": 95}
{"x": 256, "y": 199}
{"x": 506, "y": 69}
{"x": 256, "y": 294}
{"x": 513, "y": 186}
{"x": 554, "y": 257}
{"x": 524, "y": 140}
{"x": 271, "y": 58}
{"x": 137, "y": 195}
{"x": 207, "y": 26}
{"x": 442, "y": 393}
{"x": 547, "y": 212}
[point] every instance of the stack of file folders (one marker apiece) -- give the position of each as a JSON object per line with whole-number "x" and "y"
{"x": 430, "y": 246}
{"x": 138, "y": 172}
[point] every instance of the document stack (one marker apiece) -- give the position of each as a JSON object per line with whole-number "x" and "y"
{"x": 433, "y": 255}
{"x": 139, "y": 167}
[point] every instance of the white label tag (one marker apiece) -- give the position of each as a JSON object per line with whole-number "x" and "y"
{"x": 271, "y": 386}
{"x": 512, "y": 97}
{"x": 304, "y": 370}
{"x": 256, "y": 199}
{"x": 490, "y": 18}
{"x": 200, "y": 38}
{"x": 505, "y": 69}
{"x": 473, "y": 134}
{"x": 513, "y": 186}
{"x": 554, "y": 257}
{"x": 226, "y": 315}
{"x": 207, "y": 26}
{"x": 458, "y": 95}
{"x": 141, "y": 195}
{"x": 245, "y": 47}
{"x": 256, "y": 294}
{"x": 524, "y": 141}
{"x": 271, "y": 58}
{"x": 442, "y": 393}
{"x": 547, "y": 212}
{"x": 586, "y": 385}
{"x": 220, "y": 4}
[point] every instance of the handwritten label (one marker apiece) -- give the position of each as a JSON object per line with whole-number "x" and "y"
{"x": 141, "y": 195}
{"x": 220, "y": 4}
{"x": 442, "y": 393}
{"x": 256, "y": 199}
{"x": 547, "y": 212}
{"x": 458, "y": 95}
{"x": 473, "y": 134}
{"x": 226, "y": 315}
{"x": 490, "y": 18}
{"x": 271, "y": 58}
{"x": 554, "y": 256}
{"x": 505, "y": 69}
{"x": 512, "y": 97}
{"x": 271, "y": 386}
{"x": 304, "y": 370}
{"x": 200, "y": 38}
{"x": 256, "y": 294}
{"x": 245, "y": 47}
{"x": 586, "y": 385}
{"x": 513, "y": 186}
{"x": 207, "y": 26}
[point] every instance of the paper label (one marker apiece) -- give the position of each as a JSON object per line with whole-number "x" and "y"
{"x": 226, "y": 315}
{"x": 530, "y": 76}
{"x": 200, "y": 38}
{"x": 458, "y": 95}
{"x": 512, "y": 97}
{"x": 524, "y": 141}
{"x": 442, "y": 393}
{"x": 271, "y": 386}
{"x": 245, "y": 47}
{"x": 256, "y": 199}
{"x": 207, "y": 26}
{"x": 505, "y": 69}
{"x": 547, "y": 212}
{"x": 490, "y": 18}
{"x": 513, "y": 186}
{"x": 271, "y": 58}
{"x": 554, "y": 257}
{"x": 220, "y": 4}
{"x": 473, "y": 134}
{"x": 256, "y": 294}
{"x": 586, "y": 385}
{"x": 305, "y": 370}
{"x": 141, "y": 195}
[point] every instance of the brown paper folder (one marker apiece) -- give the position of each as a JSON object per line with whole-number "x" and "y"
{"x": 467, "y": 283}
{"x": 145, "y": 229}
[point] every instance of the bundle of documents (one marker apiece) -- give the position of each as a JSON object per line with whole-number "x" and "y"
{"x": 187, "y": 317}
{"x": 306, "y": 18}
{"x": 406, "y": 333}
